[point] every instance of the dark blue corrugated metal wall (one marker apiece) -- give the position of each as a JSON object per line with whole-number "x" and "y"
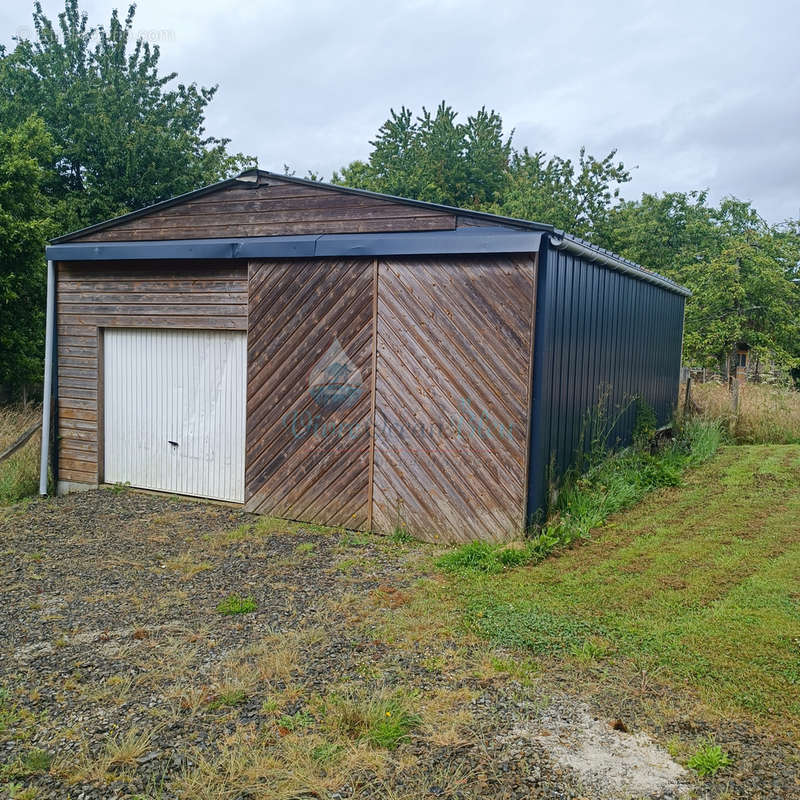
{"x": 602, "y": 337}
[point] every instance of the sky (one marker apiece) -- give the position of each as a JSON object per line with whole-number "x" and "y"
{"x": 693, "y": 95}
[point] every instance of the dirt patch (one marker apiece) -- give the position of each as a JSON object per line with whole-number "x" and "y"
{"x": 609, "y": 759}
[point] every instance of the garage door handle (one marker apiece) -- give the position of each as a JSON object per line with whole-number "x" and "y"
{"x": 174, "y": 444}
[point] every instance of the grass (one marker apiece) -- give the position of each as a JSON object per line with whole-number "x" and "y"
{"x": 767, "y": 414}
{"x": 616, "y": 482}
{"x": 383, "y": 720}
{"x": 19, "y": 474}
{"x": 696, "y": 587}
{"x": 709, "y": 760}
{"x": 236, "y": 604}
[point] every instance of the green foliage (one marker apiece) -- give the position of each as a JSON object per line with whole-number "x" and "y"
{"x": 577, "y": 198}
{"x": 29, "y": 763}
{"x": 384, "y": 720}
{"x": 123, "y": 139}
{"x": 709, "y": 760}
{"x": 296, "y": 721}
{"x": 19, "y": 474}
{"x": 392, "y": 725}
{"x": 229, "y": 698}
{"x": 236, "y": 604}
{"x": 739, "y": 269}
{"x": 434, "y": 158}
{"x": 616, "y": 482}
{"x": 25, "y": 151}
{"x": 401, "y": 536}
{"x": 525, "y": 625}
{"x": 644, "y": 427}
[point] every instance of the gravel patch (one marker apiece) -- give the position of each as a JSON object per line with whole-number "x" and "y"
{"x": 119, "y": 678}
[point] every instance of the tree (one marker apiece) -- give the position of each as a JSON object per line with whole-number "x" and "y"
{"x": 122, "y": 138}
{"x": 743, "y": 294}
{"x": 473, "y": 165}
{"x": 435, "y": 158}
{"x": 739, "y": 269}
{"x": 25, "y": 224}
{"x": 577, "y": 198}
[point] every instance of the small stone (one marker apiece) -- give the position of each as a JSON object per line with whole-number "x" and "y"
{"x": 146, "y": 759}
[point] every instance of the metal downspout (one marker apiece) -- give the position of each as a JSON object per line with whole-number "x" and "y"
{"x": 48, "y": 377}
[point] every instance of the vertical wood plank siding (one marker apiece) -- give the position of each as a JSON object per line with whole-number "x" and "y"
{"x": 306, "y": 458}
{"x": 94, "y": 295}
{"x": 274, "y": 209}
{"x": 602, "y": 339}
{"x": 453, "y": 377}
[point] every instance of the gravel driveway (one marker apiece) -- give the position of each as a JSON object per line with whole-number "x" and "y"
{"x": 121, "y": 675}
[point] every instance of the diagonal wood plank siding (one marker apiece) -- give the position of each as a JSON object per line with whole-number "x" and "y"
{"x": 453, "y": 378}
{"x": 271, "y": 209}
{"x": 310, "y": 325}
{"x": 94, "y": 295}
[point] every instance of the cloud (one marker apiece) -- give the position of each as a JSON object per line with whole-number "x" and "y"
{"x": 695, "y": 94}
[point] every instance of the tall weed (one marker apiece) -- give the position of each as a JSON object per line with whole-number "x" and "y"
{"x": 767, "y": 413}
{"x": 19, "y": 474}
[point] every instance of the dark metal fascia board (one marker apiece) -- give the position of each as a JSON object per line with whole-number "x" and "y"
{"x": 463, "y": 241}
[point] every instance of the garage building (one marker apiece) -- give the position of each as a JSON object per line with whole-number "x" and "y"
{"x": 336, "y": 356}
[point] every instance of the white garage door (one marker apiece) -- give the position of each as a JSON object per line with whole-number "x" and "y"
{"x": 174, "y": 409}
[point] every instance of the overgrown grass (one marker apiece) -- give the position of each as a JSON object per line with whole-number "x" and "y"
{"x": 19, "y": 474}
{"x": 767, "y": 414}
{"x": 616, "y": 482}
{"x": 383, "y": 720}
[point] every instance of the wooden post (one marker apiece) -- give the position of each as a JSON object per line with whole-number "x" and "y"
{"x": 687, "y": 398}
{"x": 735, "y": 397}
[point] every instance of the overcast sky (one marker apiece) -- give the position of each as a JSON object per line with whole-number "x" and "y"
{"x": 693, "y": 94}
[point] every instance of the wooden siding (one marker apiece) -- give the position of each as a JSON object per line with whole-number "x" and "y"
{"x": 454, "y": 343}
{"x": 94, "y": 295}
{"x": 274, "y": 208}
{"x": 306, "y": 459}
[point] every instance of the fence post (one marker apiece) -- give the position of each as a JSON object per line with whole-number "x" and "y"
{"x": 687, "y": 398}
